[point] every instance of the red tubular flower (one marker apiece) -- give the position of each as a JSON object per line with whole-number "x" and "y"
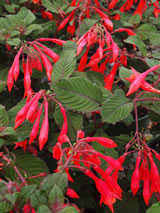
{"x": 154, "y": 176}
{"x": 27, "y": 78}
{"x": 107, "y": 197}
{"x": 146, "y": 186}
{"x": 140, "y": 79}
{"x": 145, "y": 85}
{"x": 14, "y": 71}
{"x": 64, "y": 128}
{"x": 49, "y": 52}
{"x": 21, "y": 115}
{"x": 16, "y": 65}
{"x": 57, "y": 151}
{"x": 109, "y": 80}
{"x": 33, "y": 107}
{"x": 65, "y": 21}
{"x": 114, "y": 163}
{"x": 71, "y": 193}
{"x": 46, "y": 62}
{"x": 46, "y": 14}
{"x": 142, "y": 6}
{"x": 112, "y": 4}
{"x": 115, "y": 51}
{"x": 10, "y": 79}
{"x": 108, "y": 24}
{"x": 22, "y": 144}
{"x": 35, "y": 127}
{"x": 106, "y": 142}
{"x": 130, "y": 32}
{"x": 80, "y": 134}
{"x": 54, "y": 40}
{"x": 83, "y": 61}
{"x": 43, "y": 136}
{"x": 136, "y": 177}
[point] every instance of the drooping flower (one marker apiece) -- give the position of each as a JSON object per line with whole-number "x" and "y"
{"x": 138, "y": 81}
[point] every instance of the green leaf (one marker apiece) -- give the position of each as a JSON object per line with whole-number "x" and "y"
{"x": 125, "y": 73}
{"x": 8, "y": 133}
{"x": 135, "y": 20}
{"x": 33, "y": 27}
{"x": 75, "y": 121}
{"x": 43, "y": 208}
{"x": 26, "y": 16}
{"x": 38, "y": 198}
{"x": 96, "y": 78}
{"x": 5, "y": 206}
{"x": 155, "y": 208}
{"x": 3, "y": 116}
{"x": 67, "y": 63}
{"x": 3, "y": 78}
{"x": 56, "y": 197}
{"x": 154, "y": 39}
{"x": 11, "y": 8}
{"x": 12, "y": 197}
{"x": 25, "y": 195}
{"x": 86, "y": 25}
{"x": 78, "y": 94}
{"x": 128, "y": 204}
{"x": 138, "y": 42}
{"x": 28, "y": 165}
{"x": 116, "y": 108}
{"x": 68, "y": 209}
{"x": 144, "y": 31}
{"x": 60, "y": 179}
{"x": 152, "y": 62}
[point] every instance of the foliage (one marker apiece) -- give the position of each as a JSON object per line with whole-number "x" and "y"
{"x": 79, "y": 106}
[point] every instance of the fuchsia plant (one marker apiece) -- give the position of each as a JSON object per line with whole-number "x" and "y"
{"x": 87, "y": 81}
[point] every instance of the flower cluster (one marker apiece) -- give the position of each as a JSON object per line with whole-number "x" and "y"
{"x": 32, "y": 112}
{"x": 141, "y": 8}
{"x": 146, "y": 171}
{"x": 82, "y": 152}
{"x": 36, "y": 57}
{"x": 107, "y": 52}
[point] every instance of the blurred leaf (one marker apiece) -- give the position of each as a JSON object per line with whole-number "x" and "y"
{"x": 3, "y": 116}
{"x": 56, "y": 197}
{"x": 138, "y": 42}
{"x": 60, "y": 179}
{"x": 25, "y": 195}
{"x": 155, "y": 208}
{"x": 43, "y": 208}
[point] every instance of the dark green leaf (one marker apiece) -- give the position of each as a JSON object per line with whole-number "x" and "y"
{"x": 67, "y": 63}
{"x": 116, "y": 107}
{"x": 38, "y": 198}
{"x": 78, "y": 94}
{"x": 25, "y": 195}
{"x": 28, "y": 165}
